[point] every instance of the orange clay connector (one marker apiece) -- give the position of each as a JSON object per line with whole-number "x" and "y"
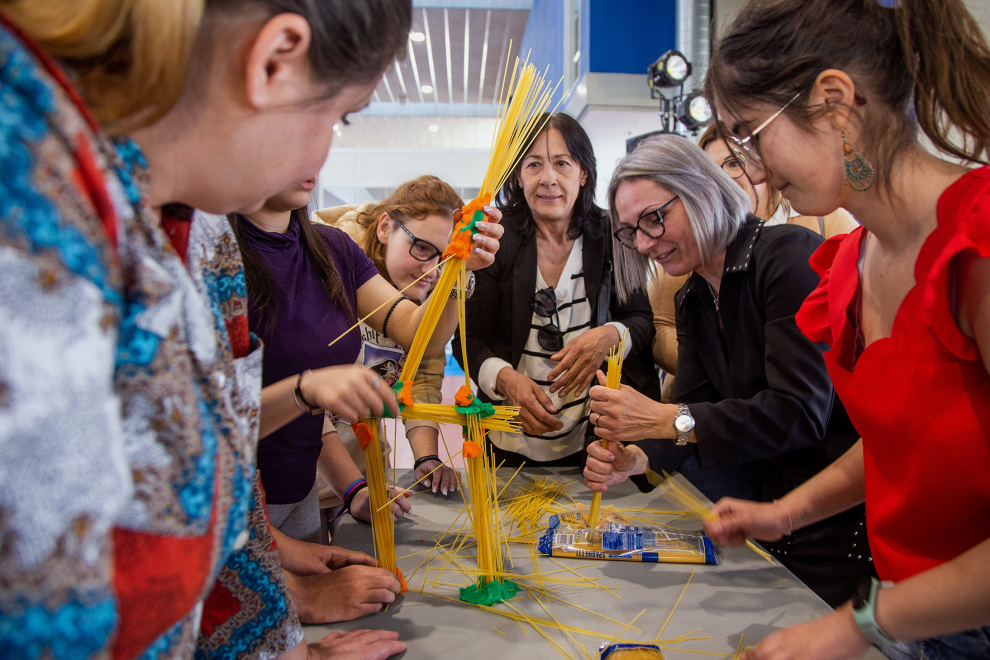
{"x": 464, "y": 396}
{"x": 471, "y": 449}
{"x": 363, "y": 434}
{"x": 460, "y": 244}
{"x": 405, "y": 396}
{"x": 402, "y": 581}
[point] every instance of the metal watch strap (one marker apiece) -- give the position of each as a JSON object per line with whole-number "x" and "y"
{"x": 682, "y": 438}
{"x": 468, "y": 288}
{"x": 866, "y": 618}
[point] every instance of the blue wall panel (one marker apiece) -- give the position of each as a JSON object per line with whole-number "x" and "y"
{"x": 626, "y": 36}
{"x": 545, "y": 36}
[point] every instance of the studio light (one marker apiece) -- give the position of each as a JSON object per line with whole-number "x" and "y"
{"x": 669, "y": 71}
{"x": 694, "y": 111}
{"x": 679, "y": 112}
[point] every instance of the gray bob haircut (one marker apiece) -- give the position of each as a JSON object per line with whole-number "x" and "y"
{"x": 716, "y": 206}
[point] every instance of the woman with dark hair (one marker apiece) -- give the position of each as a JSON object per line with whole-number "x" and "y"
{"x": 545, "y": 315}
{"x": 830, "y": 116}
{"x": 132, "y": 518}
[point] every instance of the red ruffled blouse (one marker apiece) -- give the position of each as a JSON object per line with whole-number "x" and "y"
{"x": 920, "y": 398}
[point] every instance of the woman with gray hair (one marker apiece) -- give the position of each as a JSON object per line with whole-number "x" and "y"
{"x": 754, "y": 412}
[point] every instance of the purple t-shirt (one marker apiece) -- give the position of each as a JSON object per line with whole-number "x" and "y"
{"x": 305, "y": 323}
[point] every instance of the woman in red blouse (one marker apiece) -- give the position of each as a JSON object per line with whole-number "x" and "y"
{"x": 828, "y": 115}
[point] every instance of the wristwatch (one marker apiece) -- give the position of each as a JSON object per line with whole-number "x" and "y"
{"x": 683, "y": 424}
{"x": 468, "y": 286}
{"x": 865, "y": 615}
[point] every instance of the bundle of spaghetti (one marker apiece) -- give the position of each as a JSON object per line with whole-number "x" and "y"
{"x": 382, "y": 520}
{"x": 431, "y": 316}
{"x": 485, "y": 515}
{"x": 521, "y": 104}
{"x": 612, "y": 380}
{"x": 528, "y": 95}
{"x": 670, "y": 488}
{"x": 504, "y": 418}
{"x": 535, "y": 500}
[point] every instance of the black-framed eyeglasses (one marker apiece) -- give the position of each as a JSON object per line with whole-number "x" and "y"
{"x": 420, "y": 250}
{"x": 549, "y": 336}
{"x": 650, "y": 224}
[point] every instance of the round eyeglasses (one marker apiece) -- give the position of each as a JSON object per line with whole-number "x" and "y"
{"x": 743, "y": 149}
{"x": 733, "y": 168}
{"x": 650, "y": 224}
{"x": 420, "y": 250}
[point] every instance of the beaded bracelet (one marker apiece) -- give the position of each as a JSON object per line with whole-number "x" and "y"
{"x": 389, "y": 315}
{"x": 426, "y": 459}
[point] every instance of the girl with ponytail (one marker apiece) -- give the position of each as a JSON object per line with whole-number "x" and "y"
{"x": 824, "y": 99}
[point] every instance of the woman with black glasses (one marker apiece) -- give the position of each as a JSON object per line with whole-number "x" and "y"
{"x": 404, "y": 235}
{"x": 754, "y": 413}
{"x": 545, "y": 315}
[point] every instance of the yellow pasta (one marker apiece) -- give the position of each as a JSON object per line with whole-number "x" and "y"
{"x": 382, "y": 520}
{"x": 612, "y": 380}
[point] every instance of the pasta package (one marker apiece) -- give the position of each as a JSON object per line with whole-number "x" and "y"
{"x": 615, "y": 539}
{"x": 631, "y": 652}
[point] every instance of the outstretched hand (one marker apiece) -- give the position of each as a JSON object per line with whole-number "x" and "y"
{"x": 303, "y": 558}
{"x": 357, "y": 645}
{"x": 832, "y": 637}
{"x": 361, "y": 504}
{"x": 732, "y": 521}
{"x": 444, "y": 477}
{"x": 349, "y": 391}
{"x": 343, "y": 594}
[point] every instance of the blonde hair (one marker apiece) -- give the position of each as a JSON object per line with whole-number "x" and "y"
{"x": 130, "y": 55}
{"x": 413, "y": 200}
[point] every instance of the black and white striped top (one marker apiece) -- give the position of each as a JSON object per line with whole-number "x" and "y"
{"x": 574, "y": 313}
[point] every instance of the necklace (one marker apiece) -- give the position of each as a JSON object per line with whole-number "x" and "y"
{"x": 714, "y": 296}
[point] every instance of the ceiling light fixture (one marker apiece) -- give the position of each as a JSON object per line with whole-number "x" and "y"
{"x": 434, "y": 128}
{"x": 427, "y": 89}
{"x": 417, "y": 36}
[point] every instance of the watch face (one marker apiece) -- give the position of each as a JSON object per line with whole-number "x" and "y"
{"x": 683, "y": 423}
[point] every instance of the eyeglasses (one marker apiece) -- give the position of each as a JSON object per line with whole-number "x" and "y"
{"x": 420, "y": 250}
{"x": 650, "y": 224}
{"x": 733, "y": 167}
{"x": 743, "y": 149}
{"x": 549, "y": 336}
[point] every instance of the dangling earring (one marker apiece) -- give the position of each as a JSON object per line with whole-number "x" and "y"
{"x": 860, "y": 175}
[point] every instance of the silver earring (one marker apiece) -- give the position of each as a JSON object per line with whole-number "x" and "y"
{"x": 860, "y": 175}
